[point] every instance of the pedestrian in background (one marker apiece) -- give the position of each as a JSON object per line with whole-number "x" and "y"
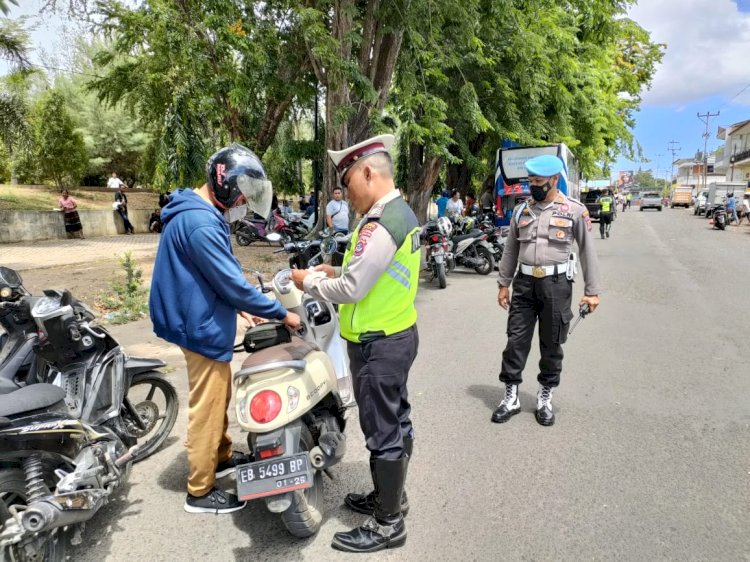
{"x": 442, "y": 203}
{"x": 731, "y": 205}
{"x": 121, "y": 206}
{"x": 69, "y": 207}
{"x": 455, "y": 206}
{"x": 114, "y": 182}
{"x": 537, "y": 262}
{"x": 163, "y": 200}
{"x": 337, "y": 212}
{"x": 376, "y": 289}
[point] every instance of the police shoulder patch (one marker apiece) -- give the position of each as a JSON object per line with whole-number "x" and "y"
{"x": 364, "y": 237}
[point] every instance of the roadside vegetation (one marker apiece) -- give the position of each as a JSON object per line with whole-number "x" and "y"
{"x": 127, "y": 298}
{"x": 44, "y": 198}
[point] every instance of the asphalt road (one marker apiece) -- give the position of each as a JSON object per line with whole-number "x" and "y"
{"x": 649, "y": 458}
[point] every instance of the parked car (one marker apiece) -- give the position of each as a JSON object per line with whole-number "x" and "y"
{"x": 699, "y": 207}
{"x": 651, "y": 200}
{"x": 591, "y": 200}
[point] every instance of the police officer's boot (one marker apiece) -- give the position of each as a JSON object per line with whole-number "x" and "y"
{"x": 386, "y": 527}
{"x": 510, "y": 405}
{"x": 366, "y": 503}
{"x": 544, "y": 413}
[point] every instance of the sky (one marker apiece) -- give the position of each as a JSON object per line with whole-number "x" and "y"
{"x": 705, "y": 69}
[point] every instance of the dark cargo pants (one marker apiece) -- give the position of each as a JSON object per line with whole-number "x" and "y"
{"x": 380, "y": 369}
{"x": 548, "y": 299}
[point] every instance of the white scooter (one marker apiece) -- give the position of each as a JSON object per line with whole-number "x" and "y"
{"x": 291, "y": 398}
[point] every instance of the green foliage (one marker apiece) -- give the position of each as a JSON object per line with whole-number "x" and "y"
{"x": 14, "y": 41}
{"x": 129, "y": 300}
{"x": 60, "y": 148}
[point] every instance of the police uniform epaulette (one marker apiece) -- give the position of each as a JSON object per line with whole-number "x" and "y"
{"x": 571, "y": 199}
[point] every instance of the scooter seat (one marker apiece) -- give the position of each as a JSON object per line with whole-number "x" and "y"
{"x": 284, "y": 355}
{"x": 472, "y": 234}
{"x": 30, "y": 398}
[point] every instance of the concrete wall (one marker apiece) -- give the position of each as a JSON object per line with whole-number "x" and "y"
{"x": 22, "y": 226}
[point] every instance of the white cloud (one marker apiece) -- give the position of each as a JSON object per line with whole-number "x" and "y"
{"x": 708, "y": 47}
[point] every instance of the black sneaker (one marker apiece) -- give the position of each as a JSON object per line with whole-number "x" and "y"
{"x": 227, "y": 467}
{"x": 216, "y": 501}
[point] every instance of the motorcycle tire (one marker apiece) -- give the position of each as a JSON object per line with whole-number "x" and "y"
{"x": 441, "y": 275}
{"x": 286, "y": 237}
{"x": 489, "y": 261}
{"x": 151, "y": 413}
{"x": 13, "y": 492}
{"x": 304, "y": 517}
{"x": 243, "y": 239}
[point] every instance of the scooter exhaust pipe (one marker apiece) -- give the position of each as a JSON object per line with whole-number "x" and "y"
{"x": 331, "y": 448}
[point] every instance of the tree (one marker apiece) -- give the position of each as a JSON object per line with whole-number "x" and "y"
{"x": 61, "y": 151}
{"x": 533, "y": 72}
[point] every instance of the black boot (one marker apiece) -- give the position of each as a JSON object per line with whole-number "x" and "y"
{"x": 366, "y": 503}
{"x": 386, "y": 527}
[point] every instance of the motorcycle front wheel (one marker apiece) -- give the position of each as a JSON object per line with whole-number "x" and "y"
{"x": 13, "y": 492}
{"x": 154, "y": 400}
{"x": 489, "y": 262}
{"x": 303, "y": 518}
{"x": 243, "y": 239}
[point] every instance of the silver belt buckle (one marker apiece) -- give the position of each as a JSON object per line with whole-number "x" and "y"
{"x": 538, "y": 272}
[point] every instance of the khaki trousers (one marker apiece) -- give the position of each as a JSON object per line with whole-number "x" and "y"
{"x": 208, "y": 440}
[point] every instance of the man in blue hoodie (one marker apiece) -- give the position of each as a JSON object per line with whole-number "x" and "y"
{"x": 197, "y": 290}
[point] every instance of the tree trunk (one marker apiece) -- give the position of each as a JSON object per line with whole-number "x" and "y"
{"x": 423, "y": 173}
{"x": 458, "y": 176}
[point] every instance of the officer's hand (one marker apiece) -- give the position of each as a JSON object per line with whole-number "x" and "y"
{"x": 592, "y": 301}
{"x": 298, "y": 276}
{"x": 327, "y": 269}
{"x": 292, "y": 321}
{"x": 503, "y": 297}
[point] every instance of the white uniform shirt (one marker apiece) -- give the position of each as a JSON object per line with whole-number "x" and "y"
{"x": 114, "y": 183}
{"x": 454, "y": 206}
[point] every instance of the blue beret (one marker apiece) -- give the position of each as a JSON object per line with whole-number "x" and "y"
{"x": 545, "y": 165}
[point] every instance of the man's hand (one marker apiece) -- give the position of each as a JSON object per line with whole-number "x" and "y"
{"x": 292, "y": 321}
{"x": 592, "y": 301}
{"x": 503, "y": 297}
{"x": 252, "y": 320}
{"x": 327, "y": 269}
{"x": 298, "y": 276}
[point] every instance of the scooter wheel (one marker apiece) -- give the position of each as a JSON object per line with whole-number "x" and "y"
{"x": 243, "y": 239}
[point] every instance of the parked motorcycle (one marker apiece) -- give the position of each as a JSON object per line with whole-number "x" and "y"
{"x": 329, "y": 247}
{"x": 496, "y": 237}
{"x": 68, "y": 438}
{"x": 291, "y": 399}
{"x": 438, "y": 256}
{"x": 301, "y": 224}
{"x": 254, "y": 228}
{"x": 473, "y": 251}
{"x": 719, "y": 214}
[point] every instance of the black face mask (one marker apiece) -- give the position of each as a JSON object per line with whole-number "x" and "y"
{"x": 539, "y": 192}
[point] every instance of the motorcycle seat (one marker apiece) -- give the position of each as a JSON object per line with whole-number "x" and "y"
{"x": 471, "y": 234}
{"x": 30, "y": 398}
{"x": 283, "y": 356}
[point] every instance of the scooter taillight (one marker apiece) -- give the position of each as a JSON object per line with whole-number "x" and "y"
{"x": 265, "y": 406}
{"x": 268, "y": 453}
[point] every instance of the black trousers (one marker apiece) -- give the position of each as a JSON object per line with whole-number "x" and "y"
{"x": 547, "y": 299}
{"x": 380, "y": 369}
{"x": 605, "y": 222}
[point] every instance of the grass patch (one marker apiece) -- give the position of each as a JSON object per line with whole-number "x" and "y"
{"x": 44, "y": 198}
{"x": 128, "y": 300}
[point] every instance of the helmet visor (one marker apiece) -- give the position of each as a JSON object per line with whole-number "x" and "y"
{"x": 258, "y": 194}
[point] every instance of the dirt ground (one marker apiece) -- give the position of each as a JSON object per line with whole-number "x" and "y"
{"x": 88, "y": 281}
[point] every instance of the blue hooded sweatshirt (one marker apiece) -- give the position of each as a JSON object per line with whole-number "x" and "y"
{"x": 198, "y": 286}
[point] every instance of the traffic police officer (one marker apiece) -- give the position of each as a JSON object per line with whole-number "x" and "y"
{"x": 607, "y": 203}
{"x": 376, "y": 287}
{"x": 539, "y": 248}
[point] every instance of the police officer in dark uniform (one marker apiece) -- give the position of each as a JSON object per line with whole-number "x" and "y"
{"x": 376, "y": 287}
{"x": 539, "y": 262}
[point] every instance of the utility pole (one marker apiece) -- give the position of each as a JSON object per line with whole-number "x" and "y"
{"x": 674, "y": 148}
{"x": 706, "y": 117}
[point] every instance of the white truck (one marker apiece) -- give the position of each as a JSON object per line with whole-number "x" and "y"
{"x": 717, "y": 193}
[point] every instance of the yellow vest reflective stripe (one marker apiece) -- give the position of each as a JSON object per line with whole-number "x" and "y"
{"x": 606, "y": 203}
{"x": 389, "y": 306}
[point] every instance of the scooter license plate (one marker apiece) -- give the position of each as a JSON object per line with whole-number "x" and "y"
{"x": 274, "y": 476}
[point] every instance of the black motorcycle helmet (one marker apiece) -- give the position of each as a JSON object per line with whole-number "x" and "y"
{"x": 223, "y": 170}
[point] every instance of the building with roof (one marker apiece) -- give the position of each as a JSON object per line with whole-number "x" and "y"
{"x": 736, "y": 150}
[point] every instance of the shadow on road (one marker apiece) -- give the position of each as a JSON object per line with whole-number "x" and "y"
{"x": 493, "y": 395}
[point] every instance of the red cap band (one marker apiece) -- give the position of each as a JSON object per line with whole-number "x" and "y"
{"x": 359, "y": 153}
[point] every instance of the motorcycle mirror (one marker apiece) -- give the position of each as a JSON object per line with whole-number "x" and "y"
{"x": 328, "y": 246}
{"x": 274, "y": 237}
{"x": 10, "y": 277}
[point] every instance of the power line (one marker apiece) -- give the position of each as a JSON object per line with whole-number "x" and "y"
{"x": 735, "y": 96}
{"x": 674, "y": 148}
{"x": 706, "y": 117}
